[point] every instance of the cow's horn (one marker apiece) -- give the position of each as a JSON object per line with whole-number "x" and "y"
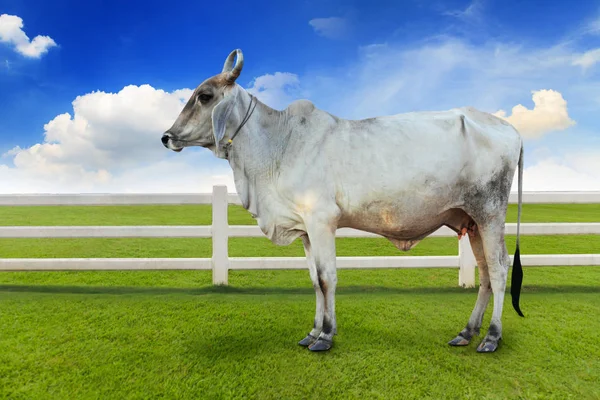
{"x": 234, "y": 73}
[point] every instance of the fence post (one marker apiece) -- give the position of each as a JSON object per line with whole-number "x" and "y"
{"x": 466, "y": 263}
{"x": 220, "y": 236}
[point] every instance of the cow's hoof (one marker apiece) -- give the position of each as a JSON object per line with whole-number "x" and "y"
{"x": 459, "y": 341}
{"x": 307, "y": 341}
{"x": 488, "y": 346}
{"x": 321, "y": 345}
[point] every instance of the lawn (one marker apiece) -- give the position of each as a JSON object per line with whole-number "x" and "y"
{"x": 171, "y": 334}
{"x": 201, "y": 214}
{"x": 155, "y": 334}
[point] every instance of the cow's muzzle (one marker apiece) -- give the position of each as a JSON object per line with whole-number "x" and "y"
{"x": 167, "y": 139}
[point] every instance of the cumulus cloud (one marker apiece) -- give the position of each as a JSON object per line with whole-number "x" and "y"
{"x": 573, "y": 171}
{"x": 276, "y": 90}
{"x": 11, "y": 31}
{"x": 111, "y": 142}
{"x": 548, "y": 114}
{"x": 106, "y": 130}
{"x": 587, "y": 59}
{"x": 332, "y": 27}
{"x": 180, "y": 174}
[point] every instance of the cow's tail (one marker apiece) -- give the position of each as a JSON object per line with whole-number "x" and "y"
{"x": 517, "y": 272}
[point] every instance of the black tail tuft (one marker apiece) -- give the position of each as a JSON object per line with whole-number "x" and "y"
{"x": 516, "y": 281}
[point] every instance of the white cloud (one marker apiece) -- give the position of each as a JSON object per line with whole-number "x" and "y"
{"x": 11, "y": 31}
{"x": 442, "y": 73}
{"x": 592, "y": 26}
{"x": 473, "y": 12}
{"x": 548, "y": 114}
{"x": 12, "y": 152}
{"x": 276, "y": 90}
{"x": 179, "y": 174}
{"x": 372, "y": 49}
{"x": 574, "y": 171}
{"x": 106, "y": 131}
{"x": 587, "y": 59}
{"x": 332, "y": 27}
{"x": 112, "y": 143}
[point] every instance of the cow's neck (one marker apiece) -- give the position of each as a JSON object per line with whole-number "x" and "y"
{"x": 256, "y": 151}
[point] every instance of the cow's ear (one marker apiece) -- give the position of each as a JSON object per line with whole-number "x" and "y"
{"x": 220, "y": 116}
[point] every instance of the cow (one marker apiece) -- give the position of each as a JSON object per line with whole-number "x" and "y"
{"x": 303, "y": 173}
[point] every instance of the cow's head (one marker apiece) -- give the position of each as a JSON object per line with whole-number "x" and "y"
{"x": 202, "y": 121}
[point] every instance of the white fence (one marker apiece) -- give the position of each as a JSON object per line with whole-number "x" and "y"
{"x": 220, "y": 232}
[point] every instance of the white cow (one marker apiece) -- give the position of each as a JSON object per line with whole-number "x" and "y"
{"x": 303, "y": 173}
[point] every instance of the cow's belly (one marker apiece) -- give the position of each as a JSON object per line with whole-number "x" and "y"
{"x": 406, "y": 220}
{"x": 395, "y": 227}
{"x": 404, "y": 228}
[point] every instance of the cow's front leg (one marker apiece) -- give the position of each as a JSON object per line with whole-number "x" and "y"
{"x": 322, "y": 239}
{"x": 320, "y": 309}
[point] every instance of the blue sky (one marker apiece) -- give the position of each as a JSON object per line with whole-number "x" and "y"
{"x": 353, "y": 58}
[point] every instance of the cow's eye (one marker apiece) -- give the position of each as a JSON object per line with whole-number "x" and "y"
{"x": 204, "y": 97}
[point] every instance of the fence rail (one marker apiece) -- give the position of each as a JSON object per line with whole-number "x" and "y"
{"x": 220, "y": 231}
{"x": 239, "y": 263}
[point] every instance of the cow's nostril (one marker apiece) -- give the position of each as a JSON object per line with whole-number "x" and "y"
{"x": 165, "y": 139}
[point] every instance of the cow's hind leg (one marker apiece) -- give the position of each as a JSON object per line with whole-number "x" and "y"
{"x": 483, "y": 297}
{"x": 320, "y": 309}
{"x": 498, "y": 261}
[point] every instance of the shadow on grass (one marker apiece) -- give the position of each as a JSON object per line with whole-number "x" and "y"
{"x": 124, "y": 290}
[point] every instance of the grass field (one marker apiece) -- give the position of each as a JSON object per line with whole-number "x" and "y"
{"x": 171, "y": 334}
{"x": 201, "y": 214}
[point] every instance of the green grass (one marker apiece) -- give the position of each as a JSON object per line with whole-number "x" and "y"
{"x": 170, "y": 334}
{"x": 262, "y": 247}
{"x": 201, "y": 215}
{"x": 118, "y": 215}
